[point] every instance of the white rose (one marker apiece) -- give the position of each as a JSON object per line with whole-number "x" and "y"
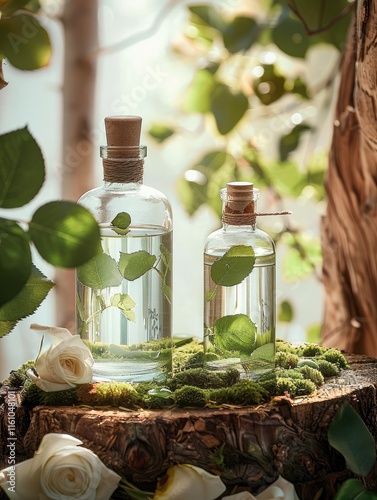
{"x": 66, "y": 363}
{"x": 60, "y": 470}
{"x": 187, "y": 482}
{"x": 280, "y": 489}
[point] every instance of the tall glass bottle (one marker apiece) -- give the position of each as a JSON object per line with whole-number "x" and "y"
{"x": 123, "y": 299}
{"x": 239, "y": 287}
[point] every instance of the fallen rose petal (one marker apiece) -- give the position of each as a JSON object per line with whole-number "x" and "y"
{"x": 187, "y": 482}
{"x": 281, "y": 488}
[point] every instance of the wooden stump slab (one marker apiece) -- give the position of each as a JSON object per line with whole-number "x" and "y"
{"x": 251, "y": 446}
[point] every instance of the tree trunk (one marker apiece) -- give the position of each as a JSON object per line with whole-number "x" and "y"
{"x": 81, "y": 41}
{"x": 251, "y": 446}
{"x": 349, "y": 229}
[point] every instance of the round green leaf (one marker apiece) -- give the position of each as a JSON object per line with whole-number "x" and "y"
{"x": 290, "y": 36}
{"x": 15, "y": 259}
{"x": 234, "y": 266}
{"x": 22, "y": 170}
{"x": 120, "y": 223}
{"x": 65, "y": 233}
{"x": 160, "y": 132}
{"x": 290, "y": 142}
{"x": 209, "y": 15}
{"x": 235, "y": 333}
{"x": 240, "y": 34}
{"x": 25, "y": 302}
{"x": 99, "y": 272}
{"x": 133, "y": 265}
{"x": 198, "y": 96}
{"x": 285, "y": 312}
{"x": 270, "y": 86}
{"x": 227, "y": 107}
{"x": 122, "y": 220}
{"x": 24, "y": 42}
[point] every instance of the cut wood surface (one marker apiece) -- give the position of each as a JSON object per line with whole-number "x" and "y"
{"x": 251, "y": 446}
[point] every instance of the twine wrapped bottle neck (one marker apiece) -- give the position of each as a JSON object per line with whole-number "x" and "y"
{"x": 239, "y": 204}
{"x": 123, "y": 164}
{"x": 123, "y": 171}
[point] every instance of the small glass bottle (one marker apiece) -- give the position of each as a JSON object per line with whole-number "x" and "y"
{"x": 123, "y": 299}
{"x": 239, "y": 288}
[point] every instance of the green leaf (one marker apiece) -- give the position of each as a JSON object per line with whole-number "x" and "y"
{"x": 133, "y": 265}
{"x": 290, "y": 37}
{"x": 240, "y": 34}
{"x": 160, "y": 132}
{"x": 270, "y": 86}
{"x": 166, "y": 257}
{"x": 202, "y": 181}
{"x": 353, "y": 489}
{"x": 235, "y": 333}
{"x": 234, "y": 266}
{"x": 290, "y": 142}
{"x": 228, "y": 107}
{"x": 209, "y": 15}
{"x": 65, "y": 233}
{"x": 26, "y": 302}
{"x": 99, "y": 272}
{"x": 8, "y": 7}
{"x": 285, "y": 313}
{"x": 350, "y": 436}
{"x": 166, "y": 290}
{"x": 210, "y": 294}
{"x": 122, "y": 220}
{"x": 125, "y": 303}
{"x": 24, "y": 42}
{"x": 198, "y": 95}
{"x": 120, "y": 224}
{"x": 299, "y": 87}
{"x": 22, "y": 170}
{"x": 15, "y": 259}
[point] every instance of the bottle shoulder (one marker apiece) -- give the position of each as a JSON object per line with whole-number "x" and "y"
{"x": 145, "y": 205}
{"x": 221, "y": 240}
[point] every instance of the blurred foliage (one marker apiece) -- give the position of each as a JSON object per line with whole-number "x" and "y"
{"x": 64, "y": 233}
{"x": 249, "y": 67}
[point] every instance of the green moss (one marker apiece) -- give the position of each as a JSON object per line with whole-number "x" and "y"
{"x": 284, "y": 385}
{"x": 16, "y": 379}
{"x": 304, "y": 387}
{"x": 327, "y": 369}
{"x": 312, "y": 374}
{"x": 334, "y": 356}
{"x": 108, "y": 394}
{"x": 286, "y": 359}
{"x": 60, "y": 398}
{"x": 245, "y": 392}
{"x": 31, "y": 395}
{"x": 204, "y": 379}
{"x": 311, "y": 350}
{"x": 190, "y": 396}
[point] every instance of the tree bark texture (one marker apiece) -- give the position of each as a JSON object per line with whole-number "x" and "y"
{"x": 256, "y": 444}
{"x": 349, "y": 228}
{"x": 80, "y": 23}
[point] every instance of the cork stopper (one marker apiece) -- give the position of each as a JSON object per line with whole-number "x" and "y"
{"x": 123, "y": 130}
{"x": 123, "y": 156}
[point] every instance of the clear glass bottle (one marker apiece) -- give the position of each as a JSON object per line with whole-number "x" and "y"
{"x": 239, "y": 288}
{"x": 123, "y": 299}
